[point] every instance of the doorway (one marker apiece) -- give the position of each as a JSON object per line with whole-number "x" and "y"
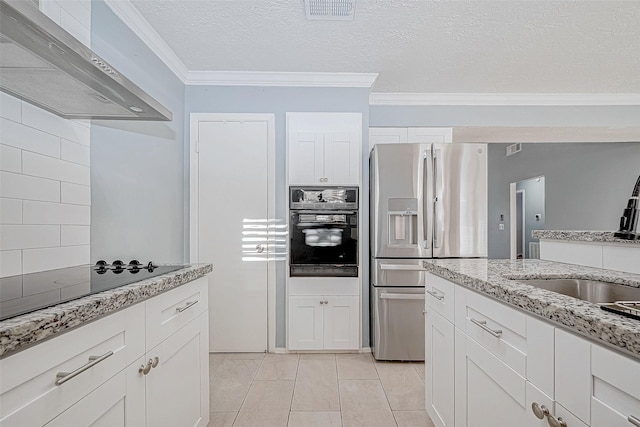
{"x": 527, "y": 214}
{"x": 232, "y": 209}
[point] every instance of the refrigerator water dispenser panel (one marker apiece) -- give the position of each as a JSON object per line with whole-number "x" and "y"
{"x": 403, "y": 222}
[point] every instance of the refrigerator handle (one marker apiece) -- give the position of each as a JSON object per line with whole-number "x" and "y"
{"x": 426, "y": 199}
{"x": 437, "y": 202}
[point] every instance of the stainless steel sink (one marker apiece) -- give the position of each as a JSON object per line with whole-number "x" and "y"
{"x": 587, "y": 290}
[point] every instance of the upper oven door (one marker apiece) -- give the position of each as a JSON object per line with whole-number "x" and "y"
{"x": 324, "y": 237}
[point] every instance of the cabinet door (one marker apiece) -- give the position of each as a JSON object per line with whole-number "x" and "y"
{"x": 104, "y": 407}
{"x": 305, "y": 322}
{"x": 174, "y": 391}
{"x": 430, "y": 135}
{"x": 341, "y": 320}
{"x": 387, "y": 136}
{"x": 342, "y": 158}
{"x": 537, "y": 398}
{"x": 439, "y": 366}
{"x": 488, "y": 392}
{"x": 306, "y": 158}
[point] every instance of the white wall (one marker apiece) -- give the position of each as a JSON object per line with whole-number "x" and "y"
{"x": 45, "y": 192}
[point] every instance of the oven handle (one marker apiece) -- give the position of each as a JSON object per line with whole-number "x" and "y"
{"x": 317, "y": 224}
{"x": 401, "y": 296}
{"x": 327, "y": 212}
{"x": 405, "y": 267}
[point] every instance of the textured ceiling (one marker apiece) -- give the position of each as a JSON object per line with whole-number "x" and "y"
{"x": 417, "y": 45}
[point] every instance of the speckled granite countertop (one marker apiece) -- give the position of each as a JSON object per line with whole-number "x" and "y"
{"x": 20, "y": 331}
{"x": 499, "y": 279}
{"x": 581, "y": 236}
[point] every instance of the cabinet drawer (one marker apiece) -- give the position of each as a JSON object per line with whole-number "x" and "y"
{"x": 439, "y": 296}
{"x": 500, "y": 329}
{"x": 28, "y": 391}
{"x": 616, "y": 388}
{"x": 168, "y": 312}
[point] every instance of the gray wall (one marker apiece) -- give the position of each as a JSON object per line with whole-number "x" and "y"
{"x": 137, "y": 168}
{"x": 586, "y": 185}
{"x": 533, "y": 204}
{"x": 402, "y": 116}
{"x": 279, "y": 100}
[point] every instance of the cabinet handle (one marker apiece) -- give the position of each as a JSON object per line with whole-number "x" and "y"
{"x": 154, "y": 362}
{"x": 63, "y": 377}
{"x": 634, "y": 420}
{"x": 483, "y": 324}
{"x": 540, "y": 411}
{"x": 189, "y": 304}
{"x": 436, "y": 295}
{"x": 556, "y": 422}
{"x": 145, "y": 369}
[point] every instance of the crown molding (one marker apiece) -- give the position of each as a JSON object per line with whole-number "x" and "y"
{"x": 132, "y": 17}
{"x": 506, "y": 99}
{"x": 274, "y": 78}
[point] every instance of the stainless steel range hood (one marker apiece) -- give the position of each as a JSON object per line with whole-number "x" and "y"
{"x": 46, "y": 66}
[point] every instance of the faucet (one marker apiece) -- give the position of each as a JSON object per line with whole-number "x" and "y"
{"x": 629, "y": 219}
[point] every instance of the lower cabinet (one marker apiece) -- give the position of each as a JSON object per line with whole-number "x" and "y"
{"x": 439, "y": 368}
{"x": 324, "y": 322}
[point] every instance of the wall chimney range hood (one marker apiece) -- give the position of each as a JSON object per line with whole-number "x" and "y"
{"x": 44, "y": 65}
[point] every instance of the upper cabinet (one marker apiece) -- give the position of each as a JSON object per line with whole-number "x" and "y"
{"x": 410, "y": 135}
{"x": 324, "y": 148}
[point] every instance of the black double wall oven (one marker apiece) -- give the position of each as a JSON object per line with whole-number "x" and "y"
{"x": 323, "y": 231}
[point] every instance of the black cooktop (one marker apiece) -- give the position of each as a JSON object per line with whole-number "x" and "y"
{"x": 29, "y": 292}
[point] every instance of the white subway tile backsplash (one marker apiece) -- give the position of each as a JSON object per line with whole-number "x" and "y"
{"x": 10, "y": 263}
{"x": 55, "y": 213}
{"x": 26, "y": 187}
{"x": 75, "y": 28}
{"x": 71, "y": 235}
{"x": 10, "y": 107}
{"x": 34, "y": 260}
{"x": 76, "y": 194}
{"x": 10, "y": 211}
{"x": 27, "y": 138}
{"x": 55, "y": 125}
{"x": 75, "y": 153}
{"x": 60, "y": 170}
{"x": 10, "y": 159}
{"x": 29, "y": 236}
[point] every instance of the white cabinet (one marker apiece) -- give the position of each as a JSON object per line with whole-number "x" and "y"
{"x": 323, "y": 322}
{"x": 439, "y": 368}
{"x": 401, "y": 135}
{"x": 91, "y": 375}
{"x": 324, "y": 158}
{"x": 572, "y": 378}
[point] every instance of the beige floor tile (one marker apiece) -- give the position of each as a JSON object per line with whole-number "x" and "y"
{"x": 419, "y": 368}
{"x": 278, "y": 367}
{"x": 317, "y": 356}
{"x": 364, "y": 404}
{"x": 222, "y": 419}
{"x": 402, "y": 385}
{"x": 316, "y": 386}
{"x": 230, "y": 384}
{"x": 244, "y": 356}
{"x": 315, "y": 419}
{"x": 412, "y": 419}
{"x": 267, "y": 404}
{"x": 215, "y": 362}
{"x": 356, "y": 367}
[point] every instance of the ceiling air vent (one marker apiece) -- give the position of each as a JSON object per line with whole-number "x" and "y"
{"x": 514, "y": 148}
{"x": 330, "y": 10}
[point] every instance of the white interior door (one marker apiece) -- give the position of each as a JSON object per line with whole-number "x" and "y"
{"x": 232, "y": 231}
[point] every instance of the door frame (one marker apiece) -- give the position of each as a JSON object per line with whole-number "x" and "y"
{"x": 269, "y": 119}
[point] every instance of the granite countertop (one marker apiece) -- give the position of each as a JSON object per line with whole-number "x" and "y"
{"x": 499, "y": 279}
{"x": 581, "y": 236}
{"x": 21, "y": 331}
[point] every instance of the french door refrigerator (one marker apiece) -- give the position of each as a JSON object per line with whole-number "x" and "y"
{"x": 427, "y": 201}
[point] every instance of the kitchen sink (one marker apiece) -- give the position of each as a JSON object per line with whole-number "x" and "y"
{"x": 587, "y": 290}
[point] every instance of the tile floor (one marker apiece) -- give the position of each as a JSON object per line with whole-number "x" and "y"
{"x": 315, "y": 390}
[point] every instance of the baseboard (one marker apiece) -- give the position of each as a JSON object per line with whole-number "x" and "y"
{"x": 365, "y": 350}
{"x": 279, "y": 350}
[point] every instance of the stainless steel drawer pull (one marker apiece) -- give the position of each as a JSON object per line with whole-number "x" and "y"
{"x": 189, "y": 304}
{"x": 63, "y": 377}
{"x": 436, "y": 295}
{"x": 483, "y": 324}
{"x": 634, "y": 420}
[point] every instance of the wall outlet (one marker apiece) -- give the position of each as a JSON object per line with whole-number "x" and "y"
{"x": 501, "y": 227}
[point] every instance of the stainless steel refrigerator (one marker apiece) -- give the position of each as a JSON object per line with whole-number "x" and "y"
{"x": 427, "y": 201}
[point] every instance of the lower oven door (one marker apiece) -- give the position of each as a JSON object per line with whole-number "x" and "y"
{"x": 397, "y": 323}
{"x": 323, "y": 243}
